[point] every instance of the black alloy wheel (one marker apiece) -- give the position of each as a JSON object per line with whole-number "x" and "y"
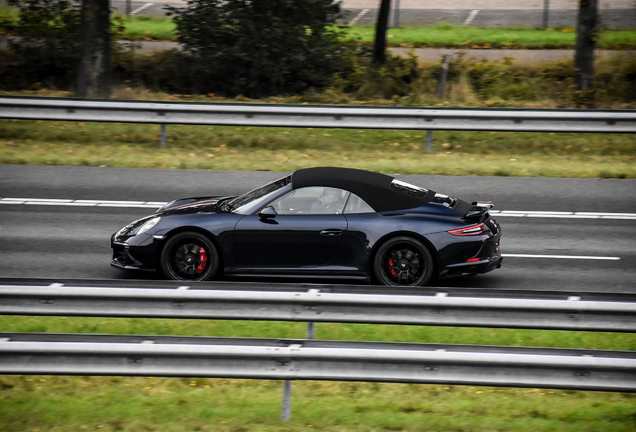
{"x": 403, "y": 261}
{"x": 189, "y": 256}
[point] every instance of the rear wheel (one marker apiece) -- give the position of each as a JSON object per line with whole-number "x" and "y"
{"x": 403, "y": 261}
{"x": 189, "y": 256}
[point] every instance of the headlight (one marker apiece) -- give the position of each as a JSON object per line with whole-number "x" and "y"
{"x": 150, "y": 223}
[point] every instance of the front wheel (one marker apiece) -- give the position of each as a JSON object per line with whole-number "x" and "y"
{"x": 189, "y": 256}
{"x": 403, "y": 261}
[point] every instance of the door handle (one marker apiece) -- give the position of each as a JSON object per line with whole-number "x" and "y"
{"x": 331, "y": 232}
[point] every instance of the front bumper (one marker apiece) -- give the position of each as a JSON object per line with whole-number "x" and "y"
{"x": 136, "y": 253}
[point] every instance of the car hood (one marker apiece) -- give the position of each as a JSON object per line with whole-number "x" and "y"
{"x": 193, "y": 205}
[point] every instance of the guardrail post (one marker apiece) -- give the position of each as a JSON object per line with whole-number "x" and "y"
{"x": 443, "y": 76}
{"x": 311, "y": 330}
{"x": 164, "y": 137}
{"x": 429, "y": 140}
{"x": 441, "y": 86}
{"x": 285, "y": 414}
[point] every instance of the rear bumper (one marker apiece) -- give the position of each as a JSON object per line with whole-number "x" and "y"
{"x": 474, "y": 268}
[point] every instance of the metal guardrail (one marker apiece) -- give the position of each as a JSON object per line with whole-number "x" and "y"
{"x": 429, "y": 307}
{"x": 317, "y": 360}
{"x": 309, "y": 359}
{"x": 504, "y": 120}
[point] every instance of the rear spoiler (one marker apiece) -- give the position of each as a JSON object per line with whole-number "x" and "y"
{"x": 479, "y": 212}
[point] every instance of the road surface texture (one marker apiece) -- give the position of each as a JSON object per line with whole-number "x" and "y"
{"x": 569, "y": 250}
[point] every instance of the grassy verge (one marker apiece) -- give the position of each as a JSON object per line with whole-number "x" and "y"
{"x": 449, "y": 36}
{"x": 50, "y": 403}
{"x": 46, "y": 403}
{"x": 440, "y": 36}
{"x": 286, "y": 149}
{"x": 148, "y": 28}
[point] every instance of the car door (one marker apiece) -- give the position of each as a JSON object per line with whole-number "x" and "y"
{"x": 303, "y": 233}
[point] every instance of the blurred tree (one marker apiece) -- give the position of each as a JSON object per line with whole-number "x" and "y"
{"x": 47, "y": 51}
{"x": 586, "y": 35}
{"x": 379, "y": 45}
{"x": 259, "y": 47}
{"x": 94, "y": 77}
{"x": 64, "y": 44}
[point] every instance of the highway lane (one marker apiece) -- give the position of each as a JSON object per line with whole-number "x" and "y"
{"x": 73, "y": 242}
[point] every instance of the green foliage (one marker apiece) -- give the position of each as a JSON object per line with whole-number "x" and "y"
{"x": 395, "y": 78}
{"x": 47, "y": 53}
{"x": 616, "y": 79}
{"x": 491, "y": 80}
{"x": 259, "y": 48}
{"x": 494, "y": 82}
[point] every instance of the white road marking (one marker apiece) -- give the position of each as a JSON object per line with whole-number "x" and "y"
{"x": 511, "y": 213}
{"x": 471, "y": 16}
{"x": 157, "y": 204}
{"x": 561, "y": 257}
{"x": 82, "y": 203}
{"x": 139, "y": 9}
{"x": 562, "y": 215}
{"x": 362, "y": 13}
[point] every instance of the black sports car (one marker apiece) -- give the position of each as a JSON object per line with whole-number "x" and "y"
{"x": 316, "y": 223}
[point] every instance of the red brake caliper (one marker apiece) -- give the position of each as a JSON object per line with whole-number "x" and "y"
{"x": 203, "y": 258}
{"x": 392, "y": 267}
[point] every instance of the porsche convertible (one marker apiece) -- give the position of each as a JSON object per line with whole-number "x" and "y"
{"x": 324, "y": 222}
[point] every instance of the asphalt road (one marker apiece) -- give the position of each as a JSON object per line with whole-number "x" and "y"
{"x": 566, "y": 251}
{"x": 485, "y": 13}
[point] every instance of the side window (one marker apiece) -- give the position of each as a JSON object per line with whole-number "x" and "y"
{"x": 311, "y": 200}
{"x": 357, "y": 205}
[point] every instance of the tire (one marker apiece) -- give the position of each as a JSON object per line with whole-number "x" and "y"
{"x": 403, "y": 261}
{"x": 189, "y": 256}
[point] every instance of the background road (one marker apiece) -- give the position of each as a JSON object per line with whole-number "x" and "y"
{"x": 482, "y": 13}
{"x": 72, "y": 241}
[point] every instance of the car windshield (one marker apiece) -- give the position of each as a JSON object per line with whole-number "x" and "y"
{"x": 248, "y": 201}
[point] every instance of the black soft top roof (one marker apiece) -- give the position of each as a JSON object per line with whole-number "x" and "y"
{"x": 372, "y": 187}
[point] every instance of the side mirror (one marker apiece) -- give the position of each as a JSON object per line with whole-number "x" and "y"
{"x": 267, "y": 213}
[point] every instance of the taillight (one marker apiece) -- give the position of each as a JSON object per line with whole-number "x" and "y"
{"x": 470, "y": 231}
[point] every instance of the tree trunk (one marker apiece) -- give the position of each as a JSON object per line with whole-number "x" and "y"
{"x": 379, "y": 46}
{"x": 585, "y": 40}
{"x": 95, "y": 68}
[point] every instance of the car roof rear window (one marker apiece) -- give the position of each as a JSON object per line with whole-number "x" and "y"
{"x": 408, "y": 188}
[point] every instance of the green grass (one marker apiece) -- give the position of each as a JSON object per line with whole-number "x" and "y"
{"x": 359, "y": 332}
{"x": 448, "y": 36}
{"x": 49, "y": 403}
{"x": 286, "y": 149}
{"x": 148, "y": 28}
{"x": 43, "y": 403}
{"x": 440, "y": 36}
